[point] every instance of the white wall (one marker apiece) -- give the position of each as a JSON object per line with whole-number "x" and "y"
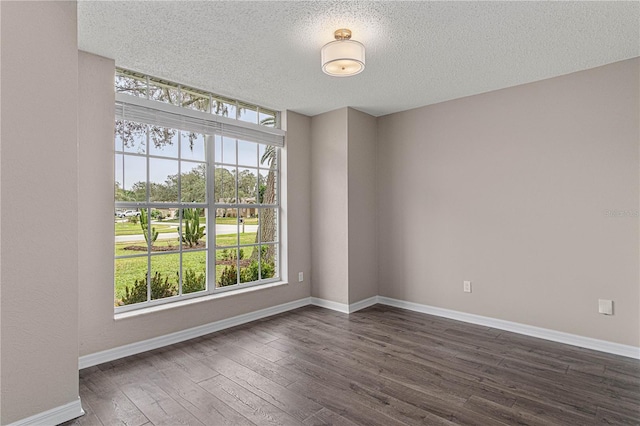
{"x": 509, "y": 189}
{"x": 39, "y": 208}
{"x": 98, "y": 328}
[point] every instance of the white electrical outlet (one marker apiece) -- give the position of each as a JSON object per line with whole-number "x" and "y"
{"x": 300, "y": 277}
{"x": 466, "y": 285}
{"x": 605, "y": 306}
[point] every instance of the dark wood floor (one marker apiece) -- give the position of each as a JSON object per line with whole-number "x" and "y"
{"x": 380, "y": 366}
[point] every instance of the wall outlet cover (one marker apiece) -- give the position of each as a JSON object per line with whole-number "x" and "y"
{"x": 605, "y": 306}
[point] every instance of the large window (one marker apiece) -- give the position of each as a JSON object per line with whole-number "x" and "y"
{"x": 197, "y": 200}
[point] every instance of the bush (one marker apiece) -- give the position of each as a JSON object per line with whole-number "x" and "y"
{"x": 192, "y": 282}
{"x": 229, "y": 276}
{"x": 251, "y": 272}
{"x": 156, "y": 214}
{"x": 160, "y": 288}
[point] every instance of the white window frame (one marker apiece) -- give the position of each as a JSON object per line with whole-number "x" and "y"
{"x": 152, "y": 112}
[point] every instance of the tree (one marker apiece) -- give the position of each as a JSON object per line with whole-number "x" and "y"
{"x": 190, "y": 98}
{"x": 246, "y": 185}
{"x": 267, "y": 218}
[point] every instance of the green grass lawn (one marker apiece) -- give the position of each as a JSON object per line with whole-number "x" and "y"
{"x": 130, "y": 269}
{"x": 128, "y": 228}
{"x": 234, "y": 220}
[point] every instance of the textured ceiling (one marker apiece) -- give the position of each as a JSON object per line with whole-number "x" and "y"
{"x": 418, "y": 53}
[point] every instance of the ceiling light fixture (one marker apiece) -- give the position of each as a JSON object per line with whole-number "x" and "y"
{"x": 343, "y": 57}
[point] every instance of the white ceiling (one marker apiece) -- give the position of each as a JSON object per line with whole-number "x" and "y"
{"x": 418, "y": 53}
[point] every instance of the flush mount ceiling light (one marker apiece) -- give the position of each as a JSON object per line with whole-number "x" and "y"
{"x": 343, "y": 57}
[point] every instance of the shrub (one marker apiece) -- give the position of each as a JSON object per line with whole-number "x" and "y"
{"x": 192, "y": 282}
{"x": 251, "y": 272}
{"x": 229, "y": 276}
{"x": 160, "y": 288}
{"x": 156, "y": 214}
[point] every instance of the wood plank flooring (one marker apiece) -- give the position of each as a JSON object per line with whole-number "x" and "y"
{"x": 379, "y": 366}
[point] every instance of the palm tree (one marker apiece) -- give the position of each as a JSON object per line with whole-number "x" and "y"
{"x": 268, "y": 218}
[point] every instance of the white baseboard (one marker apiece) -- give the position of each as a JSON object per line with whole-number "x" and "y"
{"x": 334, "y": 306}
{"x": 354, "y": 307}
{"x": 55, "y": 416}
{"x": 180, "y": 336}
{"x": 343, "y": 307}
{"x": 527, "y": 330}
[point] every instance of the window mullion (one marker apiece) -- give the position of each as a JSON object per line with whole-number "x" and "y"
{"x": 211, "y": 212}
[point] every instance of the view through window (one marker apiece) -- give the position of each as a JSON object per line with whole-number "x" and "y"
{"x": 197, "y": 206}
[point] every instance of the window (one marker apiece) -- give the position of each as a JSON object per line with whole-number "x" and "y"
{"x": 197, "y": 200}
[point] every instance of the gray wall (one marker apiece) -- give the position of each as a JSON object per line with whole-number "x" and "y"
{"x": 362, "y": 219}
{"x": 329, "y": 227}
{"x": 343, "y": 176}
{"x": 98, "y": 329}
{"x": 510, "y": 190}
{"x": 39, "y": 208}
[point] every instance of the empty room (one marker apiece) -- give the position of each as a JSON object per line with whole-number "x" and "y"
{"x": 319, "y": 213}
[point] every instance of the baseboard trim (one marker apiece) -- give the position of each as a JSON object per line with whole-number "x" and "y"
{"x": 527, "y": 330}
{"x": 343, "y": 307}
{"x": 328, "y": 304}
{"x": 55, "y": 416}
{"x": 180, "y": 336}
{"x": 354, "y": 307}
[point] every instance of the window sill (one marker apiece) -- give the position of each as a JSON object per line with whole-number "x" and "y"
{"x": 194, "y": 300}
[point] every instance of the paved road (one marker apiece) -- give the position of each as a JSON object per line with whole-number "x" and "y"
{"x": 220, "y": 230}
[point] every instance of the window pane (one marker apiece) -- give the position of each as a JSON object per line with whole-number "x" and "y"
{"x": 193, "y": 228}
{"x": 163, "y": 142}
{"x": 164, "y": 230}
{"x": 223, "y": 108}
{"x": 130, "y": 85}
{"x": 249, "y": 269}
{"x": 268, "y": 225}
{"x": 119, "y": 129}
{"x": 225, "y": 185}
{"x": 226, "y": 227}
{"x": 194, "y": 100}
{"x": 226, "y": 267}
{"x": 193, "y": 182}
{"x": 192, "y": 146}
{"x": 218, "y": 149}
{"x": 268, "y": 187}
{"x": 228, "y": 150}
{"x": 248, "y": 114}
{"x": 119, "y": 178}
{"x": 130, "y": 280}
{"x": 247, "y": 185}
{"x": 268, "y": 156}
{"x": 163, "y": 180}
{"x": 194, "y": 272}
{"x": 134, "y": 136}
{"x": 267, "y": 119}
{"x": 165, "y": 269}
{"x": 134, "y": 178}
{"x": 268, "y": 261}
{"x": 129, "y": 235}
{"x": 163, "y": 93}
{"x": 247, "y": 154}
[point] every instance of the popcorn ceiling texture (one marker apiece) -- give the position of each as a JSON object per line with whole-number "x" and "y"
{"x": 418, "y": 53}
